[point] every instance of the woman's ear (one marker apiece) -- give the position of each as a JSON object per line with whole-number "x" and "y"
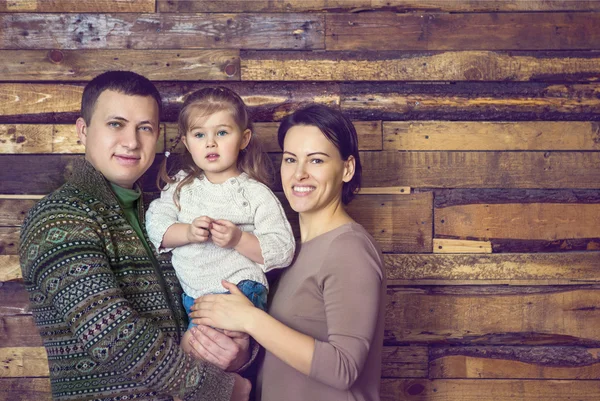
{"x": 349, "y": 166}
{"x": 246, "y": 136}
{"x": 81, "y": 127}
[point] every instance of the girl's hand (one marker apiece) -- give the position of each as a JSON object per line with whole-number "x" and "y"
{"x": 226, "y": 311}
{"x": 199, "y": 229}
{"x": 225, "y": 234}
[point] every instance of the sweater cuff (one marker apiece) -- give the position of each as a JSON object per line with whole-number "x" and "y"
{"x": 254, "y": 348}
{"x": 216, "y": 386}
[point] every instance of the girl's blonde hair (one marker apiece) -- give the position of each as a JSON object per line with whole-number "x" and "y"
{"x": 203, "y": 103}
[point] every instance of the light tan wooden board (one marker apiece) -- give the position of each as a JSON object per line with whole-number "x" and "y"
{"x": 530, "y": 221}
{"x": 492, "y": 135}
{"x": 161, "y": 31}
{"x": 563, "y": 268}
{"x": 418, "y": 66}
{"x": 156, "y": 65}
{"x": 481, "y": 31}
{"x": 77, "y": 6}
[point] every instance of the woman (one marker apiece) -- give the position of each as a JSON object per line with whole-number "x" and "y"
{"x": 324, "y": 331}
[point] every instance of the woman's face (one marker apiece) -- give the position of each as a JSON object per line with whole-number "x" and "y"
{"x": 312, "y": 170}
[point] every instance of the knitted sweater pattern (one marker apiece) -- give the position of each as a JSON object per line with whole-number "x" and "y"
{"x": 241, "y": 200}
{"x": 110, "y": 317}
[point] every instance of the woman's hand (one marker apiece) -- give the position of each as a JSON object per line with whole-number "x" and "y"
{"x": 228, "y": 351}
{"x": 226, "y": 311}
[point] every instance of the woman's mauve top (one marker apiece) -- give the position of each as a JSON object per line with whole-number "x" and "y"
{"x": 335, "y": 292}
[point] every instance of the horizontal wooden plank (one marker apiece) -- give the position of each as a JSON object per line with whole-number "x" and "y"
{"x": 567, "y": 268}
{"x": 502, "y": 362}
{"x": 161, "y": 31}
{"x": 48, "y": 139}
{"x": 461, "y": 246}
{"x": 482, "y": 169}
{"x": 535, "y": 221}
{"x": 33, "y": 362}
{"x": 82, "y": 65}
{"x": 472, "y": 101}
{"x": 19, "y": 331}
{"x": 480, "y": 269}
{"x": 395, "y": 389}
{"x": 46, "y": 173}
{"x": 271, "y": 101}
{"x": 419, "y": 66}
{"x": 399, "y": 223}
{"x": 369, "y": 135}
{"x": 485, "y": 31}
{"x": 493, "y": 315}
{"x": 240, "y": 6}
{"x": 77, "y": 6}
{"x": 17, "y": 389}
{"x": 490, "y": 136}
{"x": 489, "y": 390}
{"x": 23, "y": 362}
{"x": 471, "y": 196}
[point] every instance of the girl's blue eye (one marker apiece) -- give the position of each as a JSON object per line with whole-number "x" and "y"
{"x": 221, "y": 133}
{"x": 199, "y": 135}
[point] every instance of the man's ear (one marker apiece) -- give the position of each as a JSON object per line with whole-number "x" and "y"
{"x": 81, "y": 127}
{"x": 349, "y": 166}
{"x": 246, "y": 136}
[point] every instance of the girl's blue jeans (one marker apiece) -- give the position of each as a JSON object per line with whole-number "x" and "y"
{"x": 256, "y": 292}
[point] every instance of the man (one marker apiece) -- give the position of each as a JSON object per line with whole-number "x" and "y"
{"x": 107, "y": 306}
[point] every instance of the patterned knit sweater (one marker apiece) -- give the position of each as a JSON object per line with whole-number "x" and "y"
{"x": 110, "y": 316}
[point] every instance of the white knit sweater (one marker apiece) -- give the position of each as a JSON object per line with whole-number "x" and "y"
{"x": 243, "y": 201}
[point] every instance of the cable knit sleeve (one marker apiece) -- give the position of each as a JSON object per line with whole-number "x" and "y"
{"x": 350, "y": 281}
{"x": 71, "y": 271}
{"x": 162, "y": 214}
{"x": 273, "y": 231}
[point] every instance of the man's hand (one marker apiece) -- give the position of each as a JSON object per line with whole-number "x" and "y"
{"x": 199, "y": 229}
{"x": 225, "y": 234}
{"x": 229, "y": 351}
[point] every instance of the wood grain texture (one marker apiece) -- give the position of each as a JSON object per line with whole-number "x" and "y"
{"x": 17, "y": 389}
{"x": 493, "y": 315}
{"x": 80, "y": 65}
{"x": 12, "y": 211}
{"x": 482, "y": 169}
{"x": 19, "y": 331}
{"x": 23, "y": 362}
{"x": 485, "y": 31}
{"x": 161, "y": 31}
{"x": 534, "y": 221}
{"x": 479, "y": 269}
{"x": 47, "y": 139}
{"x": 77, "y": 6}
{"x": 9, "y": 240}
{"x": 461, "y": 246}
{"x": 420, "y": 66}
{"x": 10, "y": 268}
{"x": 488, "y": 390}
{"x": 502, "y": 362}
{"x": 271, "y": 101}
{"x": 489, "y": 136}
{"x": 241, "y": 6}
{"x": 369, "y": 136}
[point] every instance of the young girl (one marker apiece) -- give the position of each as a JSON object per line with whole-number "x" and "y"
{"x": 217, "y": 215}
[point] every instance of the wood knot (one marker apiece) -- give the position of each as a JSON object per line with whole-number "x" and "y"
{"x": 56, "y": 56}
{"x": 415, "y": 389}
{"x": 230, "y": 70}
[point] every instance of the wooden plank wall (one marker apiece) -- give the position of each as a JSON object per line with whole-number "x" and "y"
{"x": 480, "y": 137}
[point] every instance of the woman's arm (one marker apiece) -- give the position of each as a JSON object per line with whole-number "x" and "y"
{"x": 235, "y": 312}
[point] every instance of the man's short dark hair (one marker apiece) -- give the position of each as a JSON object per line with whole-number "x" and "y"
{"x": 125, "y": 82}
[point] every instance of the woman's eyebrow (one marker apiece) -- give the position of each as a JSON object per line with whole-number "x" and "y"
{"x": 318, "y": 153}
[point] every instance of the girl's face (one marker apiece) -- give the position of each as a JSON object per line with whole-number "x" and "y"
{"x": 215, "y": 141}
{"x": 312, "y": 170}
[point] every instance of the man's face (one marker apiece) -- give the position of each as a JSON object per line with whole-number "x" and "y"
{"x": 120, "y": 140}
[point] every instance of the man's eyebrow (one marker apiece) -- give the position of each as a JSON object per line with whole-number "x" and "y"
{"x": 118, "y": 118}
